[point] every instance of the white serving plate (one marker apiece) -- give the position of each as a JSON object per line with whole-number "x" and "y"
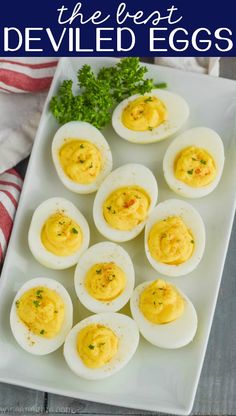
{"x": 155, "y": 379}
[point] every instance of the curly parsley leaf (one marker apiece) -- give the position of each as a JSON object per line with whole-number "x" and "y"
{"x": 100, "y": 93}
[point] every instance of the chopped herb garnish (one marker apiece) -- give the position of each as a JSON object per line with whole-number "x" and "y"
{"x": 91, "y": 347}
{"x": 154, "y": 303}
{"x": 42, "y": 331}
{"x": 150, "y": 128}
{"x": 160, "y": 303}
{"x": 203, "y": 162}
{"x": 36, "y": 303}
{"x": 109, "y": 208}
{"x": 99, "y": 271}
{"x": 38, "y": 292}
{"x": 81, "y": 161}
{"x": 147, "y": 100}
{"x": 17, "y": 303}
{"x": 90, "y": 166}
{"x": 113, "y": 212}
{"x": 74, "y": 230}
{"x": 190, "y": 172}
{"x": 192, "y": 241}
{"x": 58, "y": 235}
{"x": 153, "y": 293}
{"x": 101, "y": 344}
{"x": 193, "y": 158}
{"x": 81, "y": 146}
{"x": 55, "y": 311}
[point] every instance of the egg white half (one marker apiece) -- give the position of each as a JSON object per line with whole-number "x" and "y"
{"x": 26, "y": 339}
{"x": 175, "y": 334}
{"x": 194, "y": 222}
{"x": 204, "y": 138}
{"x": 132, "y": 174}
{"x": 127, "y": 332}
{"x": 40, "y": 216}
{"x": 104, "y": 252}
{"x": 81, "y": 130}
{"x": 178, "y": 112}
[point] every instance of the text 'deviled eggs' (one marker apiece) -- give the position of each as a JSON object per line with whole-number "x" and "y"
{"x": 39, "y": 309}
{"x": 109, "y": 286}
{"x": 125, "y": 198}
{"x": 194, "y": 162}
{"x": 82, "y": 156}
{"x": 174, "y": 238}
{"x": 161, "y": 122}
{"x": 126, "y": 334}
{"x": 58, "y": 234}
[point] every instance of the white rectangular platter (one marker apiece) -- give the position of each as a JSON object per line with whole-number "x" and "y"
{"x": 155, "y": 379}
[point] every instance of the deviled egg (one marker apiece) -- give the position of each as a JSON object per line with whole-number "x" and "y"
{"x": 104, "y": 278}
{"x": 101, "y": 345}
{"x": 165, "y": 316}
{"x": 194, "y": 162}
{"x": 82, "y": 156}
{"x": 58, "y": 234}
{"x": 41, "y": 316}
{"x": 150, "y": 117}
{"x": 124, "y": 201}
{"x": 174, "y": 238}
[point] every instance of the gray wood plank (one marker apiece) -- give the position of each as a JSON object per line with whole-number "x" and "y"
{"x": 19, "y": 400}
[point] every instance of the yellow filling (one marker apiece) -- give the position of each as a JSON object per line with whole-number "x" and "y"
{"x": 161, "y": 303}
{"x": 195, "y": 167}
{"x": 144, "y": 113}
{"x": 170, "y": 241}
{"x": 81, "y": 160}
{"x": 61, "y": 235}
{"x": 96, "y": 345}
{"x": 42, "y": 310}
{"x": 126, "y": 208}
{"x": 105, "y": 281}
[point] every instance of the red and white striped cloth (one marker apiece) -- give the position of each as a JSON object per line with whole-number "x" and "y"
{"x": 10, "y": 188}
{"x": 26, "y": 74}
{"x": 17, "y": 127}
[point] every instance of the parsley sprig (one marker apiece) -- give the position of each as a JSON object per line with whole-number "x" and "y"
{"x": 100, "y": 93}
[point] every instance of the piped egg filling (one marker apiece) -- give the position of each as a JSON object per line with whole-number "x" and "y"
{"x": 42, "y": 310}
{"x": 195, "y": 167}
{"x": 126, "y": 207}
{"x": 96, "y": 345}
{"x": 81, "y": 160}
{"x": 161, "y": 303}
{"x": 61, "y": 235}
{"x": 105, "y": 281}
{"x": 170, "y": 241}
{"x": 144, "y": 113}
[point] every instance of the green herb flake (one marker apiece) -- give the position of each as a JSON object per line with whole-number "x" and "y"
{"x": 90, "y": 166}
{"x": 74, "y": 230}
{"x": 148, "y": 100}
{"x": 81, "y": 146}
{"x": 190, "y": 172}
{"x": 203, "y": 162}
{"x": 42, "y": 332}
{"x": 55, "y": 311}
{"x": 109, "y": 208}
{"x": 91, "y": 347}
{"x": 36, "y": 303}
{"x": 150, "y": 128}
{"x": 193, "y": 158}
{"x": 192, "y": 241}
{"x": 17, "y": 303}
{"x": 99, "y": 271}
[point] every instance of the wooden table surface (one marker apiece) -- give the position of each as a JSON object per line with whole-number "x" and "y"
{"x": 216, "y": 393}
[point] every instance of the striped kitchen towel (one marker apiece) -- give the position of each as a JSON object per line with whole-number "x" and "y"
{"x": 19, "y": 117}
{"x": 26, "y": 74}
{"x": 10, "y": 187}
